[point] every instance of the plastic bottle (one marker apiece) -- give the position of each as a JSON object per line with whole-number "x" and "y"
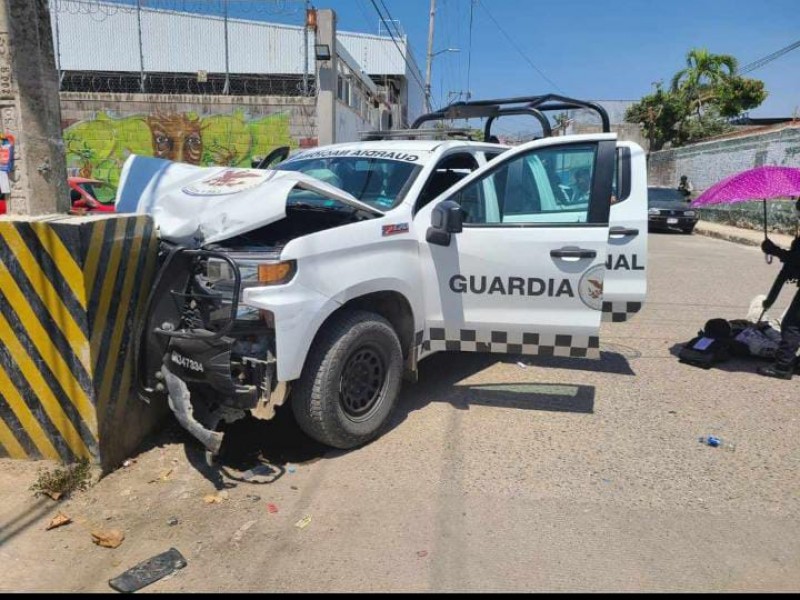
{"x": 716, "y": 442}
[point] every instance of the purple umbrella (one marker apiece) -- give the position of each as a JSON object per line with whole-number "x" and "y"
{"x": 762, "y": 183}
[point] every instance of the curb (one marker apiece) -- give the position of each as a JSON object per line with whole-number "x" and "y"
{"x": 728, "y": 237}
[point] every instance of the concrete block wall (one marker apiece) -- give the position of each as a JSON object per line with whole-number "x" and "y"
{"x": 71, "y": 292}
{"x": 709, "y": 162}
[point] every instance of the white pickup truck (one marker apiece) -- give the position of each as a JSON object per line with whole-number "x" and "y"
{"x": 325, "y": 280}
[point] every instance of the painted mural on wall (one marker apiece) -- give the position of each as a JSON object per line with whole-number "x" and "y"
{"x": 98, "y": 147}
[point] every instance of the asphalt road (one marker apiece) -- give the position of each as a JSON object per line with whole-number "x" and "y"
{"x": 552, "y": 476}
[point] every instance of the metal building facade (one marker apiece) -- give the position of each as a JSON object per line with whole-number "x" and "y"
{"x": 109, "y": 42}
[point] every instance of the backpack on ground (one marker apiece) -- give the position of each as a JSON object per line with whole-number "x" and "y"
{"x": 713, "y": 345}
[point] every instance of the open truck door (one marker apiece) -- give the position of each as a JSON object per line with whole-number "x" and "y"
{"x": 515, "y": 255}
{"x": 625, "y": 285}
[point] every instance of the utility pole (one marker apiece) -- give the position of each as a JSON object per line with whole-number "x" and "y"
{"x": 142, "y": 87}
{"x": 305, "y": 49}
{"x": 430, "y": 57}
{"x": 30, "y": 109}
{"x": 227, "y": 88}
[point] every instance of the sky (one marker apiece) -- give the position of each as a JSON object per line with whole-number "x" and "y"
{"x": 589, "y": 49}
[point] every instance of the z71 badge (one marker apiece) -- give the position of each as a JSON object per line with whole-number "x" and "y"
{"x": 395, "y": 229}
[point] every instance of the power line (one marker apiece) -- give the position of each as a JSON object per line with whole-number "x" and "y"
{"x": 392, "y": 21}
{"x": 391, "y": 35}
{"x": 761, "y": 62}
{"x": 519, "y": 50}
{"x": 469, "y": 56}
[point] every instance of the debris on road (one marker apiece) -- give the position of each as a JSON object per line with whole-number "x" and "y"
{"x": 253, "y": 497}
{"x": 422, "y": 553}
{"x": 111, "y": 538}
{"x": 522, "y": 365}
{"x": 237, "y": 537}
{"x": 215, "y": 498}
{"x": 165, "y": 476}
{"x": 128, "y": 463}
{"x": 172, "y": 521}
{"x": 58, "y": 521}
{"x": 291, "y": 468}
{"x": 149, "y": 571}
{"x": 294, "y": 487}
{"x": 272, "y": 508}
{"x": 304, "y": 522}
{"x": 716, "y": 442}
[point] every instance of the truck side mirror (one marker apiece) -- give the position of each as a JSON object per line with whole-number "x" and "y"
{"x": 447, "y": 218}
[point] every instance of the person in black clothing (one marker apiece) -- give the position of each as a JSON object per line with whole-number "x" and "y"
{"x": 785, "y": 359}
{"x": 685, "y": 187}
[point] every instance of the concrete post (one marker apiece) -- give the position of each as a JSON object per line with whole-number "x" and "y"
{"x": 30, "y": 110}
{"x": 327, "y": 73}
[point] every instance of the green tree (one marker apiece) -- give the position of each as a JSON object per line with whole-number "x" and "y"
{"x": 704, "y": 70}
{"x": 738, "y": 94}
{"x": 699, "y": 100}
{"x": 658, "y": 114}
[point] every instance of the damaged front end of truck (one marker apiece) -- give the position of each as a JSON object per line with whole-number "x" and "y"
{"x": 222, "y": 231}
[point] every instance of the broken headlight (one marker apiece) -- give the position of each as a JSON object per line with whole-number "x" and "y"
{"x": 219, "y": 276}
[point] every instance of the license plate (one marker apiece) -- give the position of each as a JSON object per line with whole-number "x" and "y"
{"x": 672, "y": 221}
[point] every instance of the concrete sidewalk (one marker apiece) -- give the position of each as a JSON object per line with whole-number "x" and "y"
{"x": 748, "y": 237}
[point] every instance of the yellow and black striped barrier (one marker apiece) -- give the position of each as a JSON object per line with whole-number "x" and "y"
{"x": 71, "y": 289}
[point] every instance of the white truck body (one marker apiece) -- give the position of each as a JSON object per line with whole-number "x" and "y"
{"x": 534, "y": 270}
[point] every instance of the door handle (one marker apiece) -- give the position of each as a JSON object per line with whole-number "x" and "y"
{"x": 622, "y": 232}
{"x": 573, "y": 253}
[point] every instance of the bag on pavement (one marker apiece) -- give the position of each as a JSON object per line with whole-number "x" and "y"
{"x": 713, "y": 345}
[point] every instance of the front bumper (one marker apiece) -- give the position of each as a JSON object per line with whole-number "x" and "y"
{"x": 212, "y": 367}
{"x": 676, "y": 222}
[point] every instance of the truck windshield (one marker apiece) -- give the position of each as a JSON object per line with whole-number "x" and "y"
{"x": 378, "y": 182}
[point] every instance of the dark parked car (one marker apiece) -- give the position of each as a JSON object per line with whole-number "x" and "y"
{"x": 668, "y": 210}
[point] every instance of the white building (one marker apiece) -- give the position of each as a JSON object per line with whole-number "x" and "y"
{"x": 110, "y": 47}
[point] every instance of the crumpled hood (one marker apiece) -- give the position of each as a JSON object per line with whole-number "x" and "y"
{"x": 195, "y": 206}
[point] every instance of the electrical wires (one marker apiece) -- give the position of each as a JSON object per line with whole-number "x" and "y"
{"x": 761, "y": 62}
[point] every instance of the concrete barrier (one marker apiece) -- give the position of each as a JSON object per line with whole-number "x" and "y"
{"x": 71, "y": 290}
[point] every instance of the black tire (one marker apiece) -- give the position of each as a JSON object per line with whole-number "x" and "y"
{"x": 351, "y": 380}
{"x": 688, "y": 230}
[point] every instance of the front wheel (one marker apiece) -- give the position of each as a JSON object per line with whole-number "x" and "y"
{"x": 688, "y": 230}
{"x": 351, "y": 380}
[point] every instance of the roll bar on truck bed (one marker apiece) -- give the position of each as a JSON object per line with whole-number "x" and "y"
{"x": 535, "y": 106}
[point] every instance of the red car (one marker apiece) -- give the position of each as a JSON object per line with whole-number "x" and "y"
{"x": 86, "y": 195}
{"x": 90, "y": 195}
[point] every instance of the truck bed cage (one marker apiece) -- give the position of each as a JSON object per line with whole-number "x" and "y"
{"x": 534, "y": 106}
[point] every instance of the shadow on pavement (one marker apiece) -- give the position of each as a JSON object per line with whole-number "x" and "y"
{"x": 265, "y": 447}
{"x": 440, "y": 375}
{"x": 276, "y": 443}
{"x": 732, "y": 365}
{"x": 614, "y": 360}
{"x": 25, "y": 519}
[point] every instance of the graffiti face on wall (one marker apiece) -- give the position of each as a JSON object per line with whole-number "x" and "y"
{"x": 177, "y": 137}
{"x": 98, "y": 147}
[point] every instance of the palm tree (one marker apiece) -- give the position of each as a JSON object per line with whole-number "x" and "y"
{"x": 703, "y": 73}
